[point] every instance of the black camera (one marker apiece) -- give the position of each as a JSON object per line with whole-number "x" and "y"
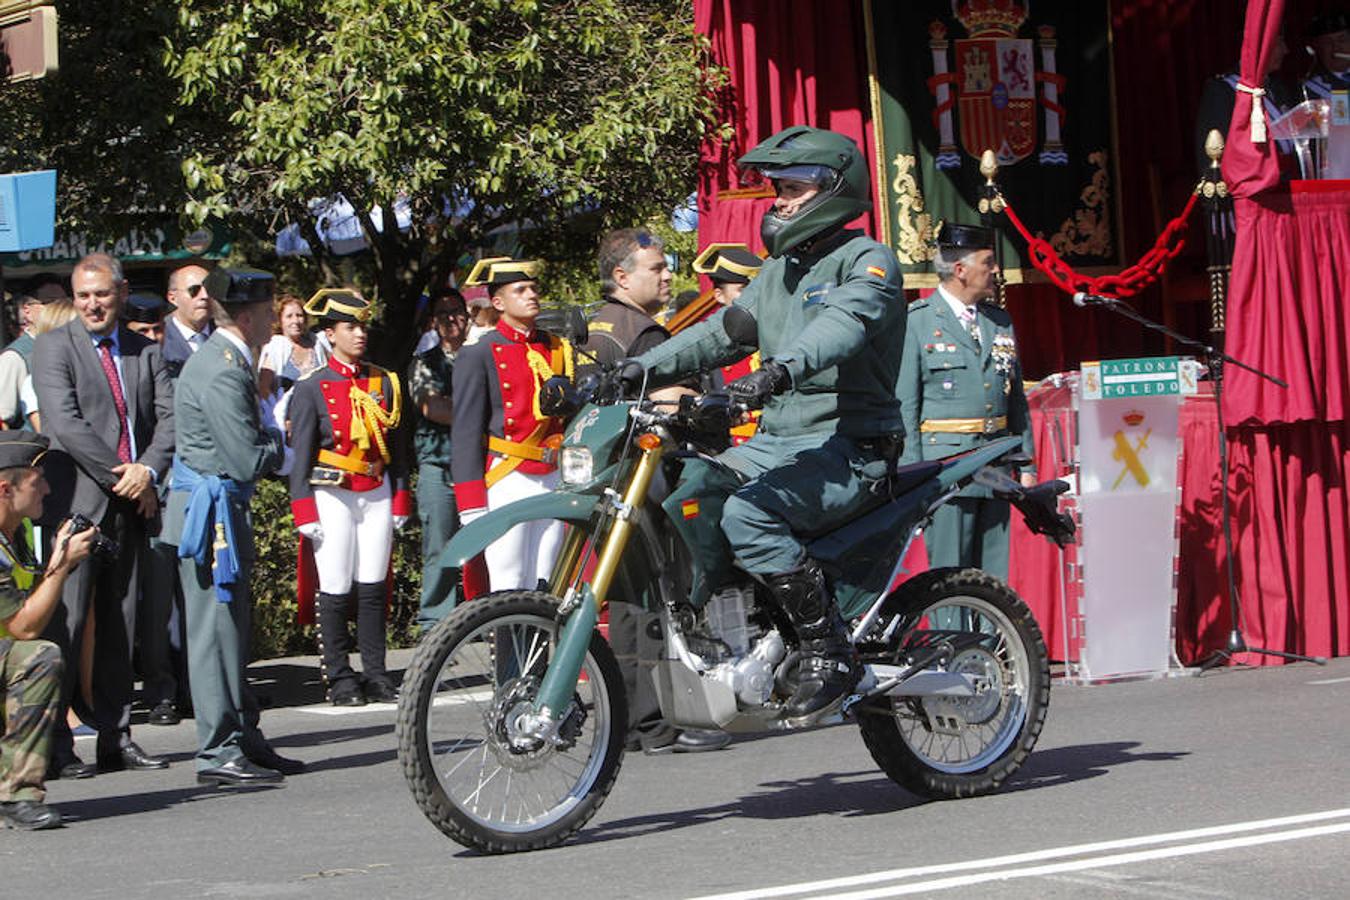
{"x": 103, "y": 546}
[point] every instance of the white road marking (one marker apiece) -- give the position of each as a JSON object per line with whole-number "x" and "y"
{"x": 326, "y": 709}
{"x": 1095, "y": 862}
{"x": 833, "y": 884}
{"x": 1330, "y": 681}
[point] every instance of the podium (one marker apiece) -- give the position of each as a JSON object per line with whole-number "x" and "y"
{"x": 1120, "y": 580}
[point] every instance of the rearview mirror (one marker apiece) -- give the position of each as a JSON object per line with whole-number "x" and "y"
{"x": 568, "y": 323}
{"x": 740, "y": 326}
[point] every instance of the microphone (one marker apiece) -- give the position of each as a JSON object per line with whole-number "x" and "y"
{"x": 1082, "y": 299}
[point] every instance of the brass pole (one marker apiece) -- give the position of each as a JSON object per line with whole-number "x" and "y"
{"x": 991, "y": 204}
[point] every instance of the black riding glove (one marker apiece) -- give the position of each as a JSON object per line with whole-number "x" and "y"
{"x": 755, "y": 389}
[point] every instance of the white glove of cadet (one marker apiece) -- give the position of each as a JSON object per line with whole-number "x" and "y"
{"x": 399, "y": 522}
{"x": 468, "y": 515}
{"x": 311, "y": 530}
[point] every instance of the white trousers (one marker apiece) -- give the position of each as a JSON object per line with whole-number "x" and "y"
{"x": 358, "y": 536}
{"x": 526, "y": 553}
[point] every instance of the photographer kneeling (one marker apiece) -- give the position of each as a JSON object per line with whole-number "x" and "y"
{"x": 30, "y": 669}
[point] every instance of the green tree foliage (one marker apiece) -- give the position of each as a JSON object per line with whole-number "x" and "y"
{"x": 106, "y": 121}
{"x": 559, "y": 116}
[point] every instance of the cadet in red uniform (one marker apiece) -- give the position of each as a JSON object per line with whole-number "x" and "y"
{"x": 496, "y": 410}
{"x": 349, "y": 491}
{"x": 730, "y": 268}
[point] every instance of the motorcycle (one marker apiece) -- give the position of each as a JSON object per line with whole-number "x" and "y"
{"x": 513, "y": 716}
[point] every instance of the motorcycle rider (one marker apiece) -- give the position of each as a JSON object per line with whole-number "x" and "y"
{"x": 831, "y": 325}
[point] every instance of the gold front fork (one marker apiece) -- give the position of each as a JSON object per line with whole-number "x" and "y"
{"x": 569, "y": 561}
{"x": 608, "y": 564}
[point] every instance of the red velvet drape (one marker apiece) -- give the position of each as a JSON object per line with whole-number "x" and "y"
{"x": 791, "y": 62}
{"x": 1250, "y": 167}
{"x": 1287, "y": 306}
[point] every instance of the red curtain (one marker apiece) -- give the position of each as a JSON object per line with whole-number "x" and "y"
{"x": 1293, "y": 515}
{"x": 1249, "y": 166}
{"x": 791, "y": 62}
{"x": 1286, "y": 307}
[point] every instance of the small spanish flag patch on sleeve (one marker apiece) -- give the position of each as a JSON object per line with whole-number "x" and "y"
{"x": 690, "y": 509}
{"x": 878, "y": 271}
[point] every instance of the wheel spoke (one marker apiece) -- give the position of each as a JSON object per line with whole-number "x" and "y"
{"x": 495, "y": 776}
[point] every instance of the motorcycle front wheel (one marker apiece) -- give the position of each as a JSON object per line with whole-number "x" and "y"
{"x": 966, "y": 621}
{"x": 472, "y": 772}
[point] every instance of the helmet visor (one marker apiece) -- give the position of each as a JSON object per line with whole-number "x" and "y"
{"x": 822, "y": 177}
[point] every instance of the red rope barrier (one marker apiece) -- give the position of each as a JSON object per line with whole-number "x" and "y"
{"x": 1129, "y": 282}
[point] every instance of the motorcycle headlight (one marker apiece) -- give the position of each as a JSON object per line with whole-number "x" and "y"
{"x": 576, "y": 465}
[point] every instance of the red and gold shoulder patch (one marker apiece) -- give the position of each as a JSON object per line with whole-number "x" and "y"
{"x": 878, "y": 271}
{"x": 689, "y": 508}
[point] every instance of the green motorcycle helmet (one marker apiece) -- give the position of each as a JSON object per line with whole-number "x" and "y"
{"x": 824, "y": 158}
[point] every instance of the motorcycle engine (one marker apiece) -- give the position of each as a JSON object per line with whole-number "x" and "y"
{"x": 752, "y": 653}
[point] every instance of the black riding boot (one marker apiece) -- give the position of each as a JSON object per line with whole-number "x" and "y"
{"x": 828, "y": 669}
{"x": 370, "y": 641}
{"x": 335, "y": 645}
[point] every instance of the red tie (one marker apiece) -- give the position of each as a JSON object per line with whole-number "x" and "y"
{"x": 119, "y": 399}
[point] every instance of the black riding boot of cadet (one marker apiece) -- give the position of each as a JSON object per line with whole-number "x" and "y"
{"x": 829, "y": 668}
{"x": 335, "y": 647}
{"x": 370, "y": 630}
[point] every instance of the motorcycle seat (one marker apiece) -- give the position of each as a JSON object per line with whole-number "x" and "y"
{"x": 906, "y": 478}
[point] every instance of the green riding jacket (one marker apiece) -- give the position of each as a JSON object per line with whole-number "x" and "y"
{"x": 835, "y": 317}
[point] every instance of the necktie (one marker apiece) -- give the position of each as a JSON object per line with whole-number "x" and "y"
{"x": 972, "y": 324}
{"x": 119, "y": 399}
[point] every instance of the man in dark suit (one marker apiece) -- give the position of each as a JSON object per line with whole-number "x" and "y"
{"x": 109, "y": 406}
{"x": 190, "y": 325}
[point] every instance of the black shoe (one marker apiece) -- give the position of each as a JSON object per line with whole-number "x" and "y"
{"x": 131, "y": 757}
{"x": 29, "y": 815}
{"x": 695, "y": 740}
{"x": 164, "y": 713}
{"x": 71, "y": 769}
{"x": 237, "y": 772}
{"x": 348, "y": 697}
{"x": 271, "y": 759}
{"x": 380, "y": 692}
{"x": 653, "y": 736}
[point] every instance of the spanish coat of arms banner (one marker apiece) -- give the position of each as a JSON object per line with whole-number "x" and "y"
{"x": 1030, "y": 81}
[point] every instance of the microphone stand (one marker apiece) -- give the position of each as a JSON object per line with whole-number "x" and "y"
{"x": 1220, "y": 247}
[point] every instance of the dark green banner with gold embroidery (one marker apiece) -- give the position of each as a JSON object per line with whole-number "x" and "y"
{"x": 1030, "y": 81}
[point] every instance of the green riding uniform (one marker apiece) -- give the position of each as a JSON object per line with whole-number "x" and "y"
{"x": 830, "y": 325}
{"x": 961, "y": 386}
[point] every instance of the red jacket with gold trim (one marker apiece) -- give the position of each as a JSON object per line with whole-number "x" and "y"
{"x": 321, "y": 415}
{"x": 494, "y": 385}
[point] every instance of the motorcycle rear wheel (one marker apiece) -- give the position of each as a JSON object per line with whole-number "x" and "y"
{"x": 962, "y": 747}
{"x": 472, "y": 775}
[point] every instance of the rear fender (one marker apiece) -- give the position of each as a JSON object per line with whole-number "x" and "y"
{"x": 963, "y": 466}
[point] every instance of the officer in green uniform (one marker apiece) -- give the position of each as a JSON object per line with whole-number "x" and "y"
{"x": 429, "y": 387}
{"x": 961, "y": 385}
{"x": 830, "y": 326}
{"x": 30, "y": 669}
{"x": 223, "y": 447}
